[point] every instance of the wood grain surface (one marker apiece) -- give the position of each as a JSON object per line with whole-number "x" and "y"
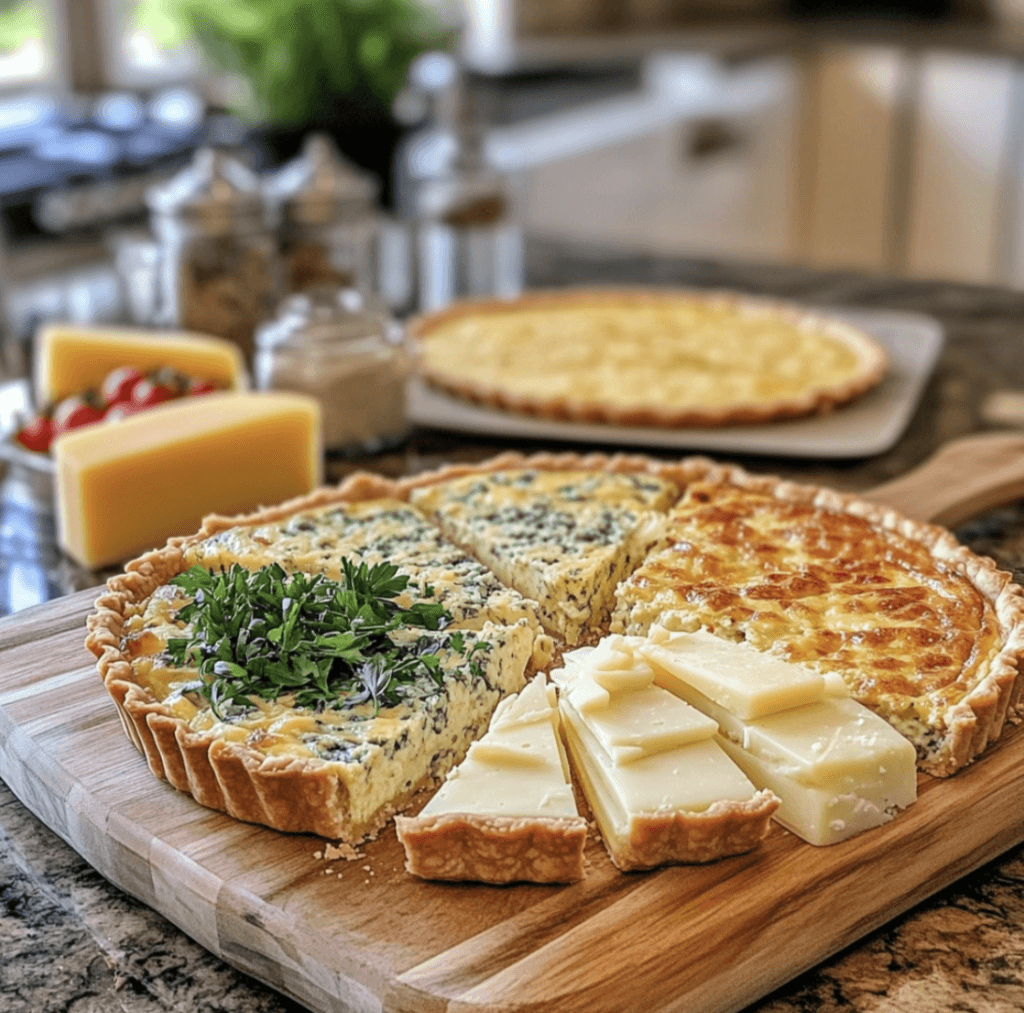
{"x": 364, "y": 935}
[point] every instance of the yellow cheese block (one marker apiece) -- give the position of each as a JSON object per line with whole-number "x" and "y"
{"x": 125, "y": 487}
{"x": 70, "y": 359}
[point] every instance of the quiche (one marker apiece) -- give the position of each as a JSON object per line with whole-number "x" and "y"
{"x": 562, "y": 538}
{"x": 924, "y": 632}
{"x": 656, "y": 357}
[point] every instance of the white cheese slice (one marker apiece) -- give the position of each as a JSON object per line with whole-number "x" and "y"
{"x": 838, "y": 768}
{"x": 688, "y": 778}
{"x": 517, "y": 769}
{"x": 746, "y": 681}
{"x": 657, "y": 782}
{"x": 643, "y": 722}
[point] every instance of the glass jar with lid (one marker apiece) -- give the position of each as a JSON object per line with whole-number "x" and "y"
{"x": 328, "y": 221}
{"x": 341, "y": 346}
{"x": 217, "y": 253}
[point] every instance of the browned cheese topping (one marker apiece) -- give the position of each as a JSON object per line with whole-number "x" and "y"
{"x": 908, "y": 634}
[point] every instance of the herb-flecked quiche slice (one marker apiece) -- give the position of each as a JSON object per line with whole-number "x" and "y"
{"x": 924, "y": 632}
{"x": 564, "y": 538}
{"x": 294, "y": 699}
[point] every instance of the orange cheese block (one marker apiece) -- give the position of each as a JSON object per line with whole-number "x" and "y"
{"x": 70, "y": 359}
{"x": 125, "y": 487}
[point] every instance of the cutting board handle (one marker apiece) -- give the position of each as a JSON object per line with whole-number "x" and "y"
{"x": 960, "y": 480}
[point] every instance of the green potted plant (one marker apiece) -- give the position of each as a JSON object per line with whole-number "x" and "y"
{"x": 328, "y": 65}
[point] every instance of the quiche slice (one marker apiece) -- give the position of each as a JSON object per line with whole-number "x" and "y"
{"x": 648, "y": 357}
{"x": 564, "y": 538}
{"x": 340, "y": 767}
{"x": 923, "y": 632}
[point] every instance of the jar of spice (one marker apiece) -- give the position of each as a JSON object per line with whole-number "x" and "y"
{"x": 218, "y": 255}
{"x": 328, "y": 224}
{"x": 342, "y": 347}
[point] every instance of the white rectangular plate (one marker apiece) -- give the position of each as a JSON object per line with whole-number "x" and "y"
{"x": 870, "y": 425}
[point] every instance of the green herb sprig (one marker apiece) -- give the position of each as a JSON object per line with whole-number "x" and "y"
{"x": 328, "y": 643}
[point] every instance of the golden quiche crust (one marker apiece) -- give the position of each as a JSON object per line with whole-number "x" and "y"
{"x": 646, "y": 357}
{"x": 978, "y": 610}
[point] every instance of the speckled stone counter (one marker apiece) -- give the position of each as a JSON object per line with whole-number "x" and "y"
{"x": 71, "y": 942}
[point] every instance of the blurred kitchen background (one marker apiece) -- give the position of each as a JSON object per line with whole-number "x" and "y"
{"x": 879, "y": 135}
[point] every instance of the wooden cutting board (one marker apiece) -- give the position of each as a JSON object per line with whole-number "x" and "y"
{"x": 363, "y": 935}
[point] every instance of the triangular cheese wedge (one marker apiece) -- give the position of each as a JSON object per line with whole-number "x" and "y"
{"x": 838, "y": 768}
{"x": 507, "y": 812}
{"x": 660, "y": 787}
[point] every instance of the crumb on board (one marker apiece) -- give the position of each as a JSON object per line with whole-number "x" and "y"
{"x": 332, "y": 853}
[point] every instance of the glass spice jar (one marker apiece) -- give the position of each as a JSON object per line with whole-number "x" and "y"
{"x": 328, "y": 222}
{"x": 218, "y": 256}
{"x": 341, "y": 346}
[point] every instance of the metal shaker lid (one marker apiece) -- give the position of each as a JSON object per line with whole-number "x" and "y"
{"x": 214, "y": 192}
{"x": 320, "y": 185}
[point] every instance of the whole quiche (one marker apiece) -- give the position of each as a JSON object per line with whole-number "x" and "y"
{"x": 646, "y": 357}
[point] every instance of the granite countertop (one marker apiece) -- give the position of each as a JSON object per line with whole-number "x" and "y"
{"x": 75, "y": 944}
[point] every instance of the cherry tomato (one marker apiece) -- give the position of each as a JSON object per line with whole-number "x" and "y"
{"x": 147, "y": 393}
{"x": 197, "y": 387}
{"x": 75, "y": 411}
{"x": 118, "y": 384}
{"x": 37, "y": 434}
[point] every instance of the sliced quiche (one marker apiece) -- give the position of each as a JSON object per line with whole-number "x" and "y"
{"x": 562, "y": 538}
{"x": 924, "y": 632}
{"x": 275, "y": 717}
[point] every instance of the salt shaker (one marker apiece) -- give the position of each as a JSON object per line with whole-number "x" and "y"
{"x": 342, "y": 347}
{"x": 218, "y": 255}
{"x": 328, "y": 224}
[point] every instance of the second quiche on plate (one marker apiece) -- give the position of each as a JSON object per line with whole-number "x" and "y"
{"x": 664, "y": 358}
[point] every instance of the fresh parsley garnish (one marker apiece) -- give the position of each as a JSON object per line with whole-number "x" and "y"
{"x": 327, "y": 643}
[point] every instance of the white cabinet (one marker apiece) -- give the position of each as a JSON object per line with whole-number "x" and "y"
{"x": 852, "y": 104}
{"x": 958, "y": 197}
{"x": 911, "y": 162}
{"x": 721, "y": 186}
{"x": 872, "y": 157}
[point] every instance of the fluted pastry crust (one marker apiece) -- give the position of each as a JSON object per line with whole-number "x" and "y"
{"x": 494, "y": 849}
